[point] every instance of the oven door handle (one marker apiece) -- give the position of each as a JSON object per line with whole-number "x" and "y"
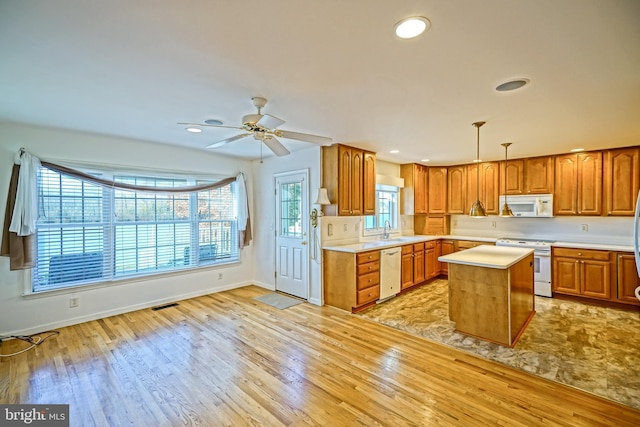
{"x": 542, "y": 254}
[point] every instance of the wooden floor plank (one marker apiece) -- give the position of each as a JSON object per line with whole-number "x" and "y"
{"x": 227, "y": 359}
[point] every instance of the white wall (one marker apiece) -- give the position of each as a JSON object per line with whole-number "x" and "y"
{"x": 264, "y": 215}
{"x": 25, "y": 315}
{"x": 604, "y": 230}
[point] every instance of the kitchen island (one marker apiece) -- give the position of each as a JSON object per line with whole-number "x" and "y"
{"x": 491, "y": 292}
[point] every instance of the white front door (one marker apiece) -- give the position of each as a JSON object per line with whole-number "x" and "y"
{"x": 292, "y": 224}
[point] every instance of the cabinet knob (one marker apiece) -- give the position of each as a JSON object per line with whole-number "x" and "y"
{"x": 369, "y": 293}
{"x": 369, "y": 280}
{"x": 370, "y": 267}
{"x": 579, "y": 253}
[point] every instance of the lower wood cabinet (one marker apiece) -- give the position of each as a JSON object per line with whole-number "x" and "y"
{"x": 628, "y": 279}
{"x": 431, "y": 264}
{"x": 351, "y": 281}
{"x": 419, "y": 273}
{"x": 584, "y": 272}
{"x": 406, "y": 267}
{"x": 448, "y": 247}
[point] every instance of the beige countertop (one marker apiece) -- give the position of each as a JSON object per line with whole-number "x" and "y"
{"x": 500, "y": 257}
{"x": 399, "y": 241}
{"x": 600, "y": 246}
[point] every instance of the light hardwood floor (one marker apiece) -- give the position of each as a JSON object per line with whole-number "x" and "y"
{"x": 226, "y": 359}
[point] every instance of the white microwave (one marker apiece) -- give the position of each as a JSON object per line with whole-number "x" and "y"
{"x": 536, "y": 206}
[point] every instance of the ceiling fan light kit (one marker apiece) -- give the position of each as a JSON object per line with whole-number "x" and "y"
{"x": 263, "y": 128}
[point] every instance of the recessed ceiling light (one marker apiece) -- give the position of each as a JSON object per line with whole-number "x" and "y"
{"x": 512, "y": 85}
{"x": 194, "y": 129}
{"x": 394, "y": 151}
{"x": 213, "y": 122}
{"x": 425, "y": 160}
{"x": 575, "y": 150}
{"x": 412, "y": 27}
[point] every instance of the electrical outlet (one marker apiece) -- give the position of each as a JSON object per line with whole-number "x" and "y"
{"x": 344, "y": 228}
{"x": 493, "y": 224}
{"x": 74, "y": 302}
{"x": 584, "y": 227}
{"x": 219, "y": 276}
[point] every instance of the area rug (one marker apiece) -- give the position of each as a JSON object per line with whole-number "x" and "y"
{"x": 584, "y": 346}
{"x": 278, "y": 300}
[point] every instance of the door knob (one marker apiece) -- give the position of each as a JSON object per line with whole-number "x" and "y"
{"x": 303, "y": 243}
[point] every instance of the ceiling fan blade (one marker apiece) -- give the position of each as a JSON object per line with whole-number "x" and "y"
{"x": 315, "y": 139}
{"x": 227, "y": 140}
{"x": 276, "y": 146}
{"x": 210, "y": 126}
{"x": 270, "y": 122}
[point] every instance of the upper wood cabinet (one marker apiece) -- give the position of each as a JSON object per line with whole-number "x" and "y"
{"x": 437, "y": 190}
{"x": 456, "y": 189}
{"x": 488, "y": 191}
{"x": 621, "y": 180}
{"x": 578, "y": 184}
{"x": 349, "y": 179}
{"x": 413, "y": 197}
{"x": 514, "y": 175}
{"x": 527, "y": 176}
{"x": 369, "y": 184}
{"x": 538, "y": 175}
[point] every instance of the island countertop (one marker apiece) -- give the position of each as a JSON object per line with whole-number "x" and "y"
{"x": 500, "y": 257}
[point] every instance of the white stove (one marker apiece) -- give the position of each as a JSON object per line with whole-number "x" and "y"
{"x": 541, "y": 261}
{"x": 537, "y": 245}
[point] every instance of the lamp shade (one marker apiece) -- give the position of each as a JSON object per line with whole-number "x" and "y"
{"x": 322, "y": 198}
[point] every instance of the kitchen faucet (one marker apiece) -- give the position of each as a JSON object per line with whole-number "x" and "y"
{"x": 385, "y": 231}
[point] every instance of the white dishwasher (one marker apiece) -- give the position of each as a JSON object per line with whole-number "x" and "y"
{"x": 389, "y": 272}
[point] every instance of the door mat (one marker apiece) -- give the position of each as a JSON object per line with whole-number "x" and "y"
{"x": 278, "y": 300}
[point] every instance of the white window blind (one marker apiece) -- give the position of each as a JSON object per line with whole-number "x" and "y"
{"x": 87, "y": 233}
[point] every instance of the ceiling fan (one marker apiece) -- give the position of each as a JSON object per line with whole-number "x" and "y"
{"x": 263, "y": 128}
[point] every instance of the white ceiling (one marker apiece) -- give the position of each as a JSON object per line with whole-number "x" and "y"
{"x": 332, "y": 68}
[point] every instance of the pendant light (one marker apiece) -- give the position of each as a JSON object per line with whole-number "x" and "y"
{"x": 506, "y": 210}
{"x": 477, "y": 210}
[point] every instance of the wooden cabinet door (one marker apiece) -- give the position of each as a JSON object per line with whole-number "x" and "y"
{"x": 357, "y": 175}
{"x": 489, "y": 187}
{"x": 413, "y": 197}
{"x": 420, "y": 190}
{"x": 590, "y": 183}
{"x": 456, "y": 189}
{"x": 345, "y": 163}
{"x": 447, "y": 248}
{"x": 627, "y": 279}
{"x": 473, "y": 192}
{"x": 438, "y": 254}
{"x": 513, "y": 174}
{"x": 437, "y": 192}
{"x": 430, "y": 262}
{"x": 418, "y": 267}
{"x": 369, "y": 184}
{"x": 538, "y": 175}
{"x": 621, "y": 181}
{"x": 566, "y": 185}
{"x": 595, "y": 279}
{"x": 566, "y": 275}
{"x": 407, "y": 268}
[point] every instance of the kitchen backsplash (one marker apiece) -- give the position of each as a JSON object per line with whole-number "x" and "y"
{"x": 344, "y": 230}
{"x": 587, "y": 229}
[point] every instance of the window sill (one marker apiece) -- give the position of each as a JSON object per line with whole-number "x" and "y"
{"x": 29, "y": 294}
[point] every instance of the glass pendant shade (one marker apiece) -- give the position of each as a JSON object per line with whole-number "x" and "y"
{"x": 477, "y": 209}
{"x": 506, "y": 210}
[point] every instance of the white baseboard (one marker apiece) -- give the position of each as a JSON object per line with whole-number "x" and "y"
{"x": 315, "y": 301}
